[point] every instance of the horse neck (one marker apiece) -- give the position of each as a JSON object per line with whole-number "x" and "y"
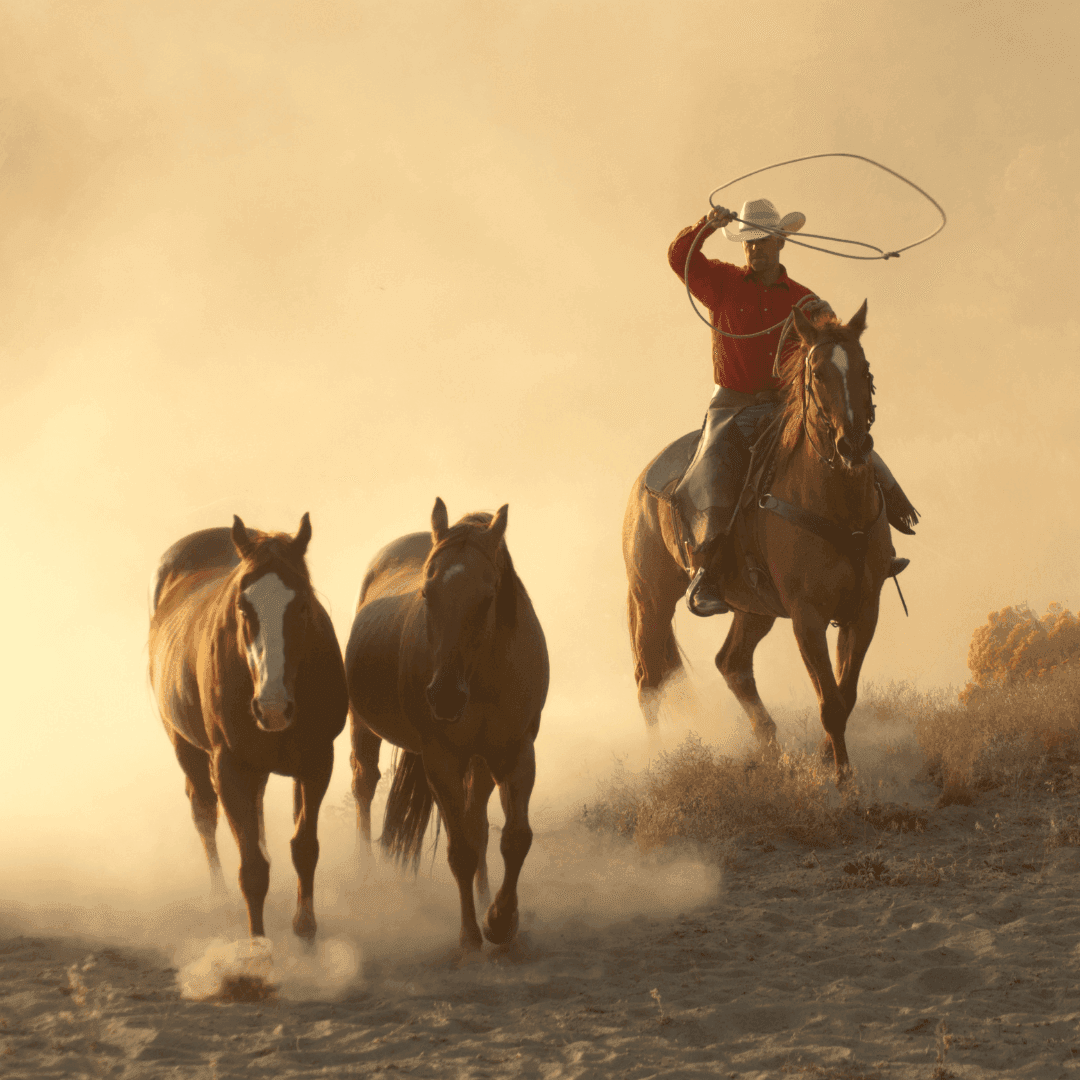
{"x": 838, "y": 493}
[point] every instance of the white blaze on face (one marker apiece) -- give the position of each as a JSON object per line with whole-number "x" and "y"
{"x": 269, "y": 596}
{"x": 840, "y": 362}
{"x": 453, "y": 571}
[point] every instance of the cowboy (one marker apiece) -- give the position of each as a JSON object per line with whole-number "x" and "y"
{"x": 744, "y": 300}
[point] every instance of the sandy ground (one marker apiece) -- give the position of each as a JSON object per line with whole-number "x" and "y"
{"x": 954, "y": 951}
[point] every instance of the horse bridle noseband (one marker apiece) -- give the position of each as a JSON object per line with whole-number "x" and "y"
{"x": 830, "y": 428}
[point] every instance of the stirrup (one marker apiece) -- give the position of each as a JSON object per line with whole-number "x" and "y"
{"x": 898, "y": 566}
{"x": 701, "y": 598}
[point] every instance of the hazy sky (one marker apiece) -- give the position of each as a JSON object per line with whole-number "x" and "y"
{"x": 267, "y": 258}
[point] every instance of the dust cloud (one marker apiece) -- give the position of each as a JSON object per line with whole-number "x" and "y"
{"x": 342, "y": 258}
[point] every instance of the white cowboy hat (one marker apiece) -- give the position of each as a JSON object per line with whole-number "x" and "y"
{"x": 761, "y": 212}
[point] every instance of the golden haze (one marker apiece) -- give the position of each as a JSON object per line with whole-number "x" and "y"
{"x": 268, "y": 258}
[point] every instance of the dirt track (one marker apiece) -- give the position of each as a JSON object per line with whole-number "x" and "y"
{"x": 840, "y": 963}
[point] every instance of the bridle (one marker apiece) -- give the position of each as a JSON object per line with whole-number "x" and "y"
{"x": 809, "y": 395}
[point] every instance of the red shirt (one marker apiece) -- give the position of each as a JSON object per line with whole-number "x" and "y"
{"x": 739, "y": 305}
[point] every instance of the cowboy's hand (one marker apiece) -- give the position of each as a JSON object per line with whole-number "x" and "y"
{"x": 817, "y": 310}
{"x": 719, "y": 217}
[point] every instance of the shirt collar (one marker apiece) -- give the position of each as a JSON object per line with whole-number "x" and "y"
{"x": 782, "y": 280}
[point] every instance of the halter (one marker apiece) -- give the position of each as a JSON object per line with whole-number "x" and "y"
{"x": 808, "y": 391}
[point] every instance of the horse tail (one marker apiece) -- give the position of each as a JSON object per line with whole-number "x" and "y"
{"x": 408, "y": 810}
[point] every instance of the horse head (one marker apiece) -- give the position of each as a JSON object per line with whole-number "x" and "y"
{"x": 837, "y": 389}
{"x": 467, "y": 592}
{"x": 273, "y": 605}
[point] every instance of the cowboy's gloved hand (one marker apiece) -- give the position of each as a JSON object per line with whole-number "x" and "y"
{"x": 719, "y": 217}
{"x": 817, "y": 309}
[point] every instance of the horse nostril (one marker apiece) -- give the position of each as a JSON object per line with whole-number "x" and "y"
{"x": 256, "y": 710}
{"x": 290, "y": 709}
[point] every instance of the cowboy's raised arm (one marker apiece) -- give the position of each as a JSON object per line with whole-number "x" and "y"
{"x": 698, "y": 278}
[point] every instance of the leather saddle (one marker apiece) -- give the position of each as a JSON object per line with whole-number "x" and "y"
{"x": 668, "y": 468}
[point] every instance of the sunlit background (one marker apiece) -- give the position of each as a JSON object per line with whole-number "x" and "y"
{"x": 267, "y": 258}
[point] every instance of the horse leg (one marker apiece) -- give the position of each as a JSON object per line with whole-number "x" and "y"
{"x": 652, "y": 639}
{"x": 479, "y": 785}
{"x": 515, "y": 788}
{"x": 851, "y": 647}
{"x": 239, "y": 789}
{"x": 446, "y": 777}
{"x": 810, "y": 630}
{"x": 735, "y": 661}
{"x": 365, "y": 769}
{"x": 308, "y": 792}
{"x": 204, "y": 806}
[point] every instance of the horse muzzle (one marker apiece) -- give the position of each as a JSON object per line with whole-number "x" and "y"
{"x": 448, "y": 696}
{"x": 855, "y": 450}
{"x": 273, "y": 715}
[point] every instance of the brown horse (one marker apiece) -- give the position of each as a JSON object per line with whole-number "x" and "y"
{"x": 818, "y": 531}
{"x": 247, "y": 674}
{"x": 447, "y": 661}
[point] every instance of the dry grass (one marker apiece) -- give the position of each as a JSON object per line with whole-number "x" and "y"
{"x": 899, "y": 704}
{"x": 1016, "y": 726}
{"x": 1064, "y": 831}
{"x": 1026, "y": 734}
{"x": 695, "y": 793}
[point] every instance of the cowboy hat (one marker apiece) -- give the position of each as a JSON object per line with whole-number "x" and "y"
{"x": 762, "y": 213}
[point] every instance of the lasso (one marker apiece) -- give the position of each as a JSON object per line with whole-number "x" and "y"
{"x": 881, "y": 254}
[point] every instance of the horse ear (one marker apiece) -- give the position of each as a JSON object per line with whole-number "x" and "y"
{"x": 240, "y": 538}
{"x": 440, "y": 524}
{"x": 497, "y": 528}
{"x": 299, "y": 542}
{"x": 857, "y": 323}
{"x": 804, "y": 327}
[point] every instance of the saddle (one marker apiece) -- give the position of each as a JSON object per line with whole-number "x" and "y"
{"x": 666, "y": 471}
{"x": 742, "y": 558}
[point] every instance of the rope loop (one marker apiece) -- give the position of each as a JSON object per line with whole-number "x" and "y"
{"x": 790, "y": 237}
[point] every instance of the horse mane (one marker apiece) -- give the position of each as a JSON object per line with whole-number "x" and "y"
{"x": 509, "y": 583}
{"x": 790, "y": 413}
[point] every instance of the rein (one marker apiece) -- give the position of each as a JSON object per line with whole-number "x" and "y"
{"x": 808, "y": 391}
{"x": 851, "y": 543}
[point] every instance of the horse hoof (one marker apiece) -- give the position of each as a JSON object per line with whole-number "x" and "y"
{"x": 470, "y": 940}
{"x": 304, "y": 926}
{"x": 495, "y": 931}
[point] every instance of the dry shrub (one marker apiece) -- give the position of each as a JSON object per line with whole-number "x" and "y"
{"x": 888, "y": 817}
{"x": 898, "y": 704}
{"x": 869, "y": 870}
{"x": 1064, "y": 832}
{"x": 696, "y": 793}
{"x": 1016, "y": 646}
{"x": 1016, "y": 734}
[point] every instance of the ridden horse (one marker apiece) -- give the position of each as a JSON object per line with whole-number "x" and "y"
{"x": 447, "y": 661}
{"x": 819, "y": 531}
{"x": 248, "y": 678}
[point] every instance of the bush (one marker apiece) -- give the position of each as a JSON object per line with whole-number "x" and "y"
{"x": 696, "y": 793}
{"x": 1015, "y": 734}
{"x": 1016, "y": 646}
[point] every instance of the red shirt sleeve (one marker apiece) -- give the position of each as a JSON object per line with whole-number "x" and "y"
{"x": 701, "y": 281}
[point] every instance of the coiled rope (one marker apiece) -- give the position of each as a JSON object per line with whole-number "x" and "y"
{"x": 882, "y": 254}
